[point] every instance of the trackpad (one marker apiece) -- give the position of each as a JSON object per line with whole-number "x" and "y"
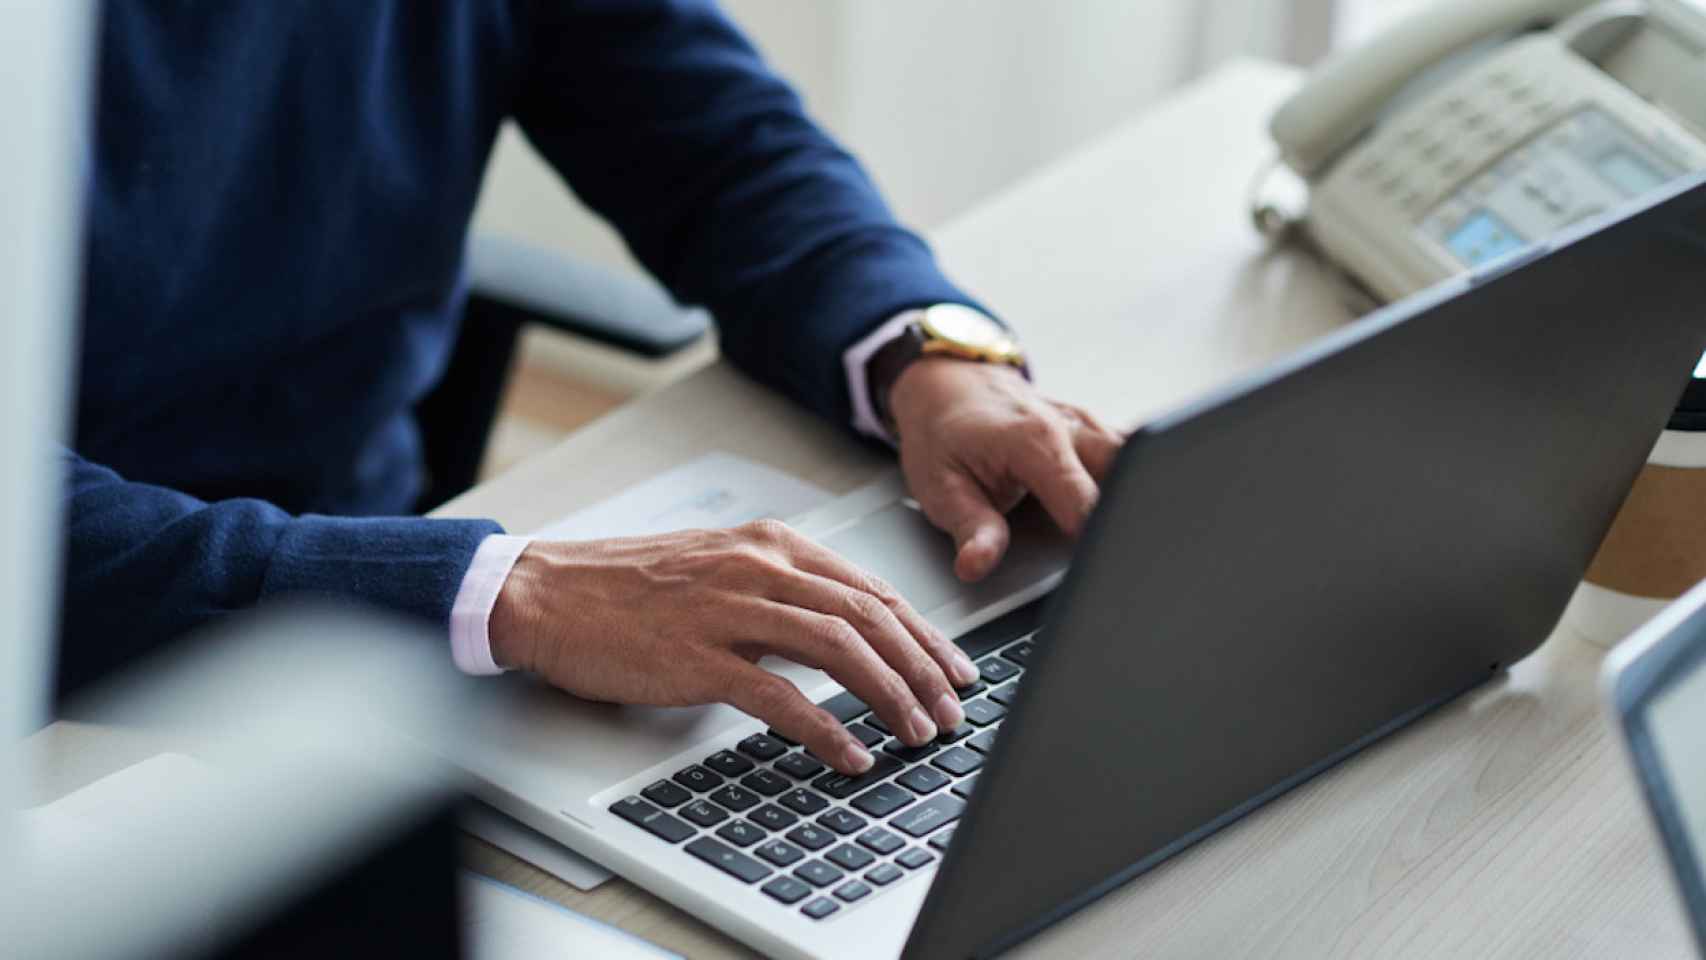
{"x": 900, "y": 545}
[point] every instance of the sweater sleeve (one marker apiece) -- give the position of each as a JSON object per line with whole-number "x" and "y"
{"x": 145, "y": 564}
{"x": 664, "y": 119}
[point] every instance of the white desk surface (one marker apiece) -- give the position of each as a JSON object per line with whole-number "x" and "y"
{"x": 1502, "y": 826}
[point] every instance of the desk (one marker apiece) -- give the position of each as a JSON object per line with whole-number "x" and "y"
{"x": 1502, "y": 826}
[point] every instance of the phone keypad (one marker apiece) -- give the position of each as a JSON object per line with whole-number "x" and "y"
{"x": 1420, "y": 160}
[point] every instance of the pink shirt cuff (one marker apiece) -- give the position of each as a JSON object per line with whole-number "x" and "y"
{"x": 854, "y": 361}
{"x": 471, "y": 614}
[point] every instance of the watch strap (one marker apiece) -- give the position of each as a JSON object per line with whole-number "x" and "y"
{"x": 885, "y": 367}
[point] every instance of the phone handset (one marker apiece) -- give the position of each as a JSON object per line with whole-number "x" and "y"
{"x": 1347, "y": 93}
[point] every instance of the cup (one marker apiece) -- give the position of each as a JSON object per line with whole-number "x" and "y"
{"x": 1656, "y": 550}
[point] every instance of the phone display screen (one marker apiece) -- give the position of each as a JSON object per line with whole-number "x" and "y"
{"x": 1483, "y": 238}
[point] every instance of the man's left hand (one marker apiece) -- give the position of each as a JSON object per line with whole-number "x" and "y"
{"x": 976, "y": 438}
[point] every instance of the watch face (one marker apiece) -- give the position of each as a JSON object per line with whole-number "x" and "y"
{"x": 963, "y": 325}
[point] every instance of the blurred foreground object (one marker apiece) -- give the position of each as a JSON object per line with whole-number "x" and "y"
{"x": 1654, "y": 686}
{"x": 321, "y": 829}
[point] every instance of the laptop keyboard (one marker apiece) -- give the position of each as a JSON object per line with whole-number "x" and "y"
{"x": 767, "y": 813}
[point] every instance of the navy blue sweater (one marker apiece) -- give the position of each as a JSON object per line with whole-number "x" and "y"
{"x": 279, "y": 196}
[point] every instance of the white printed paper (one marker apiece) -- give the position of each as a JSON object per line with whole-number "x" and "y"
{"x": 714, "y": 491}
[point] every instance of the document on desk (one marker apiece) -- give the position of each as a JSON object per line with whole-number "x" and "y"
{"x": 501, "y": 922}
{"x": 716, "y": 490}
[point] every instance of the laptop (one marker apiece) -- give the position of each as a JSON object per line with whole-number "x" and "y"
{"x": 1655, "y": 689}
{"x": 1276, "y": 577}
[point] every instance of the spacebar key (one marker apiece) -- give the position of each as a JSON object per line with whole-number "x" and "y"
{"x": 938, "y": 811}
{"x": 841, "y": 786}
{"x": 728, "y": 859}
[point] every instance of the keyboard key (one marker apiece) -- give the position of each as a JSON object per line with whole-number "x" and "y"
{"x": 884, "y": 874}
{"x": 923, "y": 779}
{"x": 818, "y": 873}
{"x": 844, "y": 707}
{"x": 787, "y": 890}
{"x": 882, "y": 800}
{"x": 941, "y": 840}
{"x": 728, "y": 763}
{"x": 915, "y": 858}
{"x": 958, "y": 761}
{"x": 659, "y": 824}
{"x": 810, "y": 837}
{"x": 865, "y": 734}
{"x": 841, "y": 786}
{"x": 761, "y": 746}
{"x": 772, "y": 817}
{"x": 972, "y": 689}
{"x": 779, "y": 853}
{"x": 995, "y": 670}
{"x": 938, "y": 811}
{"x": 984, "y": 712}
{"x": 736, "y": 798}
{"x": 983, "y": 742}
{"x": 1019, "y": 653}
{"x": 777, "y": 734}
{"x": 767, "y": 782}
{"x": 728, "y": 859}
{"x": 906, "y": 754}
{"x": 841, "y": 821}
{"x": 1004, "y": 694}
{"x": 964, "y": 788}
{"x": 876, "y": 723}
{"x": 852, "y": 890}
{"x": 820, "y": 908}
{"x": 704, "y": 814}
{"x": 803, "y": 801}
{"x": 881, "y": 841}
{"x": 740, "y": 833}
{"x": 698, "y": 778}
{"x": 849, "y": 857}
{"x": 955, "y": 735}
{"x": 800, "y": 765}
{"x": 666, "y": 793}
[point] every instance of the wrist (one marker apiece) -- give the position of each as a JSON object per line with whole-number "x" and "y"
{"x": 947, "y": 331}
{"x": 513, "y": 629}
{"x": 929, "y": 385}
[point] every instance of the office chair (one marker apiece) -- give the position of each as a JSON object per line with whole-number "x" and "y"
{"x": 511, "y": 285}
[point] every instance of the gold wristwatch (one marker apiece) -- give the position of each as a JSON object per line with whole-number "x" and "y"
{"x": 944, "y": 330}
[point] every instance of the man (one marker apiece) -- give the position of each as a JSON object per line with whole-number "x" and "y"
{"x": 279, "y": 195}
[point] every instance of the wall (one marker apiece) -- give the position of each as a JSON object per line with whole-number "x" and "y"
{"x": 944, "y": 100}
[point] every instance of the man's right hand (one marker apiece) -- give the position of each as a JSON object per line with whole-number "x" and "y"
{"x": 681, "y": 619}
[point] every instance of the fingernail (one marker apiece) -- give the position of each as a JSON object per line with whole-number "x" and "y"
{"x": 857, "y": 758}
{"x": 965, "y": 672}
{"x": 949, "y": 713}
{"x": 922, "y": 727}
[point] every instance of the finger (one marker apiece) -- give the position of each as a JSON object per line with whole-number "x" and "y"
{"x": 779, "y": 703}
{"x": 946, "y": 659}
{"x": 1097, "y": 444}
{"x": 862, "y": 644}
{"x": 958, "y": 504}
{"x": 1048, "y": 465}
